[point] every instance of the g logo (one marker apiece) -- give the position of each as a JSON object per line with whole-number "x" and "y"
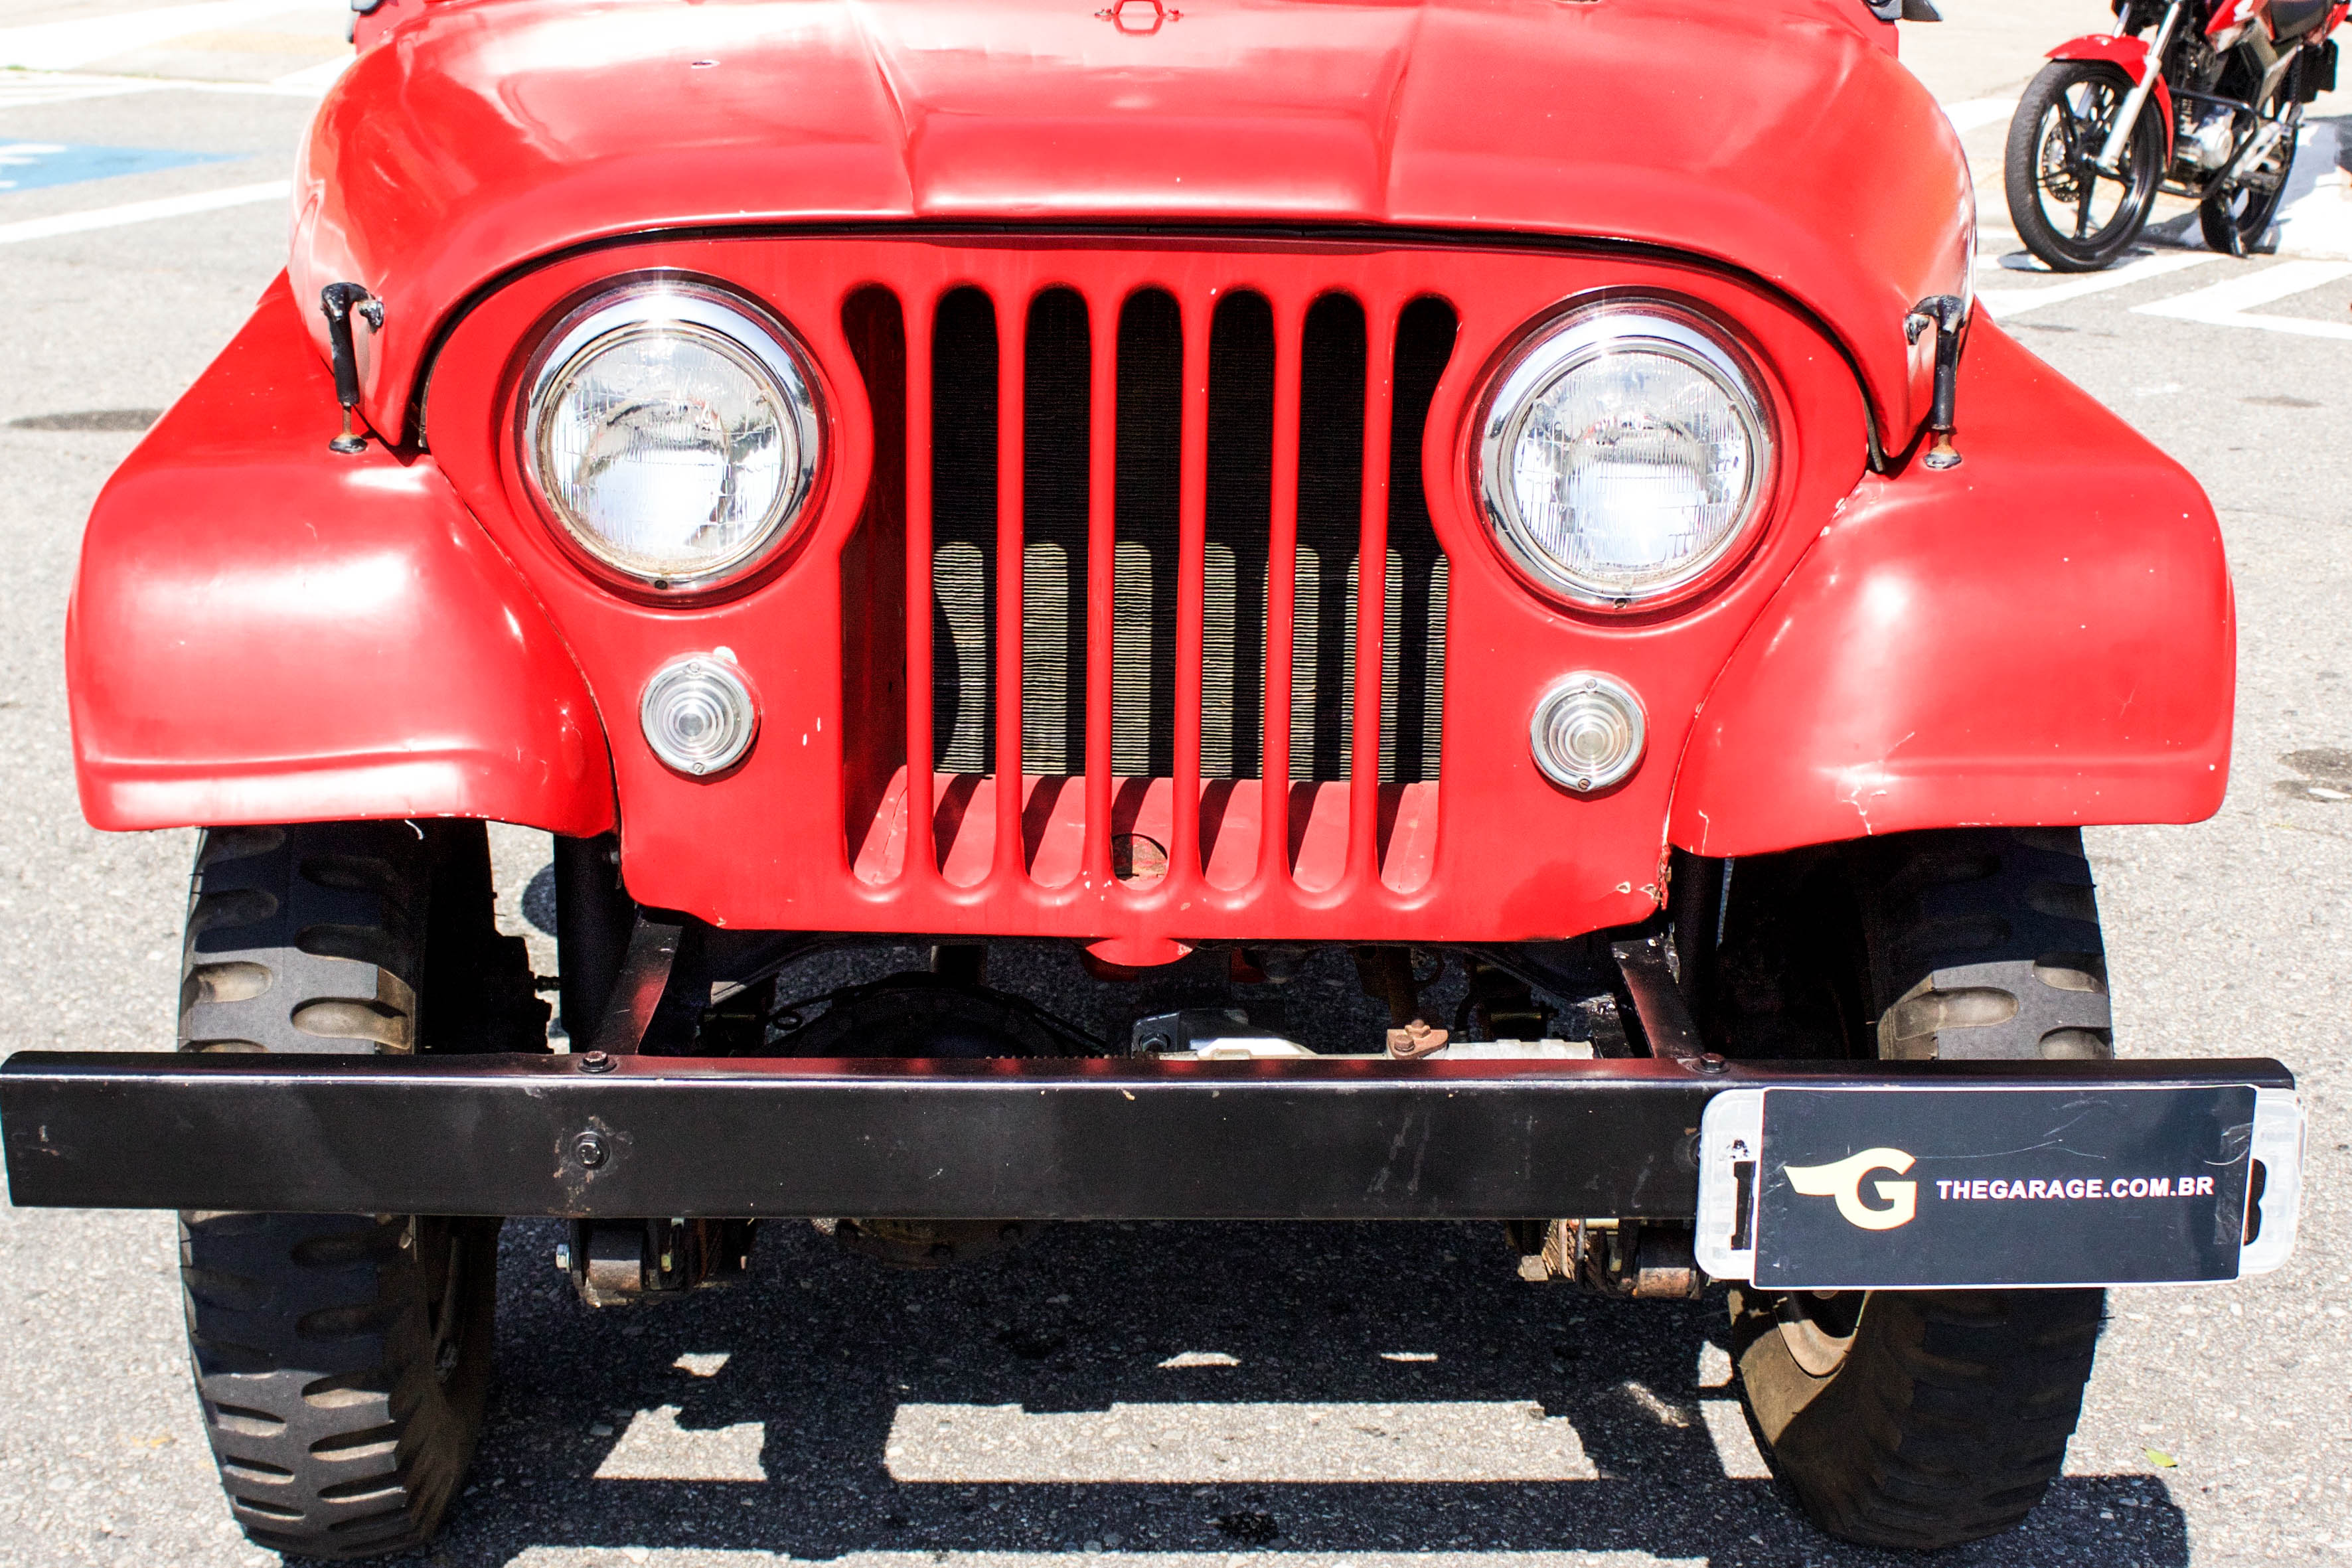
{"x": 1843, "y": 1180}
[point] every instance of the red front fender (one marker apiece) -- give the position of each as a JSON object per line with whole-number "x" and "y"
{"x": 2132, "y": 55}
{"x": 2043, "y": 636}
{"x": 263, "y": 631}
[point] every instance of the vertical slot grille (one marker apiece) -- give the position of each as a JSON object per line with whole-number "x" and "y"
{"x": 1098, "y": 474}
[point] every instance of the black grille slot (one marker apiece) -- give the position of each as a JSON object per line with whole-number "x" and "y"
{"x": 1331, "y": 517}
{"x": 874, "y": 571}
{"x": 1240, "y": 492}
{"x": 1150, "y": 445}
{"x": 1055, "y": 454}
{"x": 1412, "y": 669}
{"x": 964, "y": 533}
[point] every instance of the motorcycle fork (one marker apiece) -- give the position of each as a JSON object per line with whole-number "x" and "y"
{"x": 2111, "y": 156}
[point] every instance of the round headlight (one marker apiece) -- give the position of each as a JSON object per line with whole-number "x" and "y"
{"x": 674, "y": 435}
{"x": 1623, "y": 456}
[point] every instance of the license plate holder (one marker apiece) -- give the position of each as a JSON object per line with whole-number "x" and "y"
{"x": 1926, "y": 1185}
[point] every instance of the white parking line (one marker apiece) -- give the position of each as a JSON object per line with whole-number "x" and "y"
{"x": 61, "y": 46}
{"x": 143, "y": 211}
{"x": 2232, "y": 303}
{"x": 24, "y": 90}
{"x": 1966, "y": 117}
{"x": 2016, "y": 302}
{"x": 315, "y": 78}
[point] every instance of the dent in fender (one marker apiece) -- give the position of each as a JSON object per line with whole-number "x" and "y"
{"x": 2043, "y": 636}
{"x": 264, "y": 631}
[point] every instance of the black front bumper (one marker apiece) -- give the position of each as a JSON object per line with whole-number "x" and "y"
{"x": 1335, "y": 1138}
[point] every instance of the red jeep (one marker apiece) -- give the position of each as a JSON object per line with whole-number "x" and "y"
{"x": 1012, "y": 548}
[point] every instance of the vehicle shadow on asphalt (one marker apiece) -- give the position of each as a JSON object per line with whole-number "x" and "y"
{"x": 820, "y": 1386}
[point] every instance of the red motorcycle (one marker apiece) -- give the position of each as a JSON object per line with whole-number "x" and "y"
{"x": 2200, "y": 97}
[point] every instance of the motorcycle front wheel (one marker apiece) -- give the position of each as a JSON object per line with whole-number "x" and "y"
{"x": 2074, "y": 215}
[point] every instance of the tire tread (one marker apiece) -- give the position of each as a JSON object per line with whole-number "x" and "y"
{"x": 335, "y": 1435}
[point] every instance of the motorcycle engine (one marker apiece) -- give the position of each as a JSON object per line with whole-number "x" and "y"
{"x": 2207, "y": 135}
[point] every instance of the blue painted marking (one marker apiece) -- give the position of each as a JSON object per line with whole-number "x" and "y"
{"x": 32, "y": 165}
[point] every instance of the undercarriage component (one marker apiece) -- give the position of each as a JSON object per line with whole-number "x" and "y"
{"x": 920, "y": 1016}
{"x": 947, "y": 1014}
{"x": 1416, "y": 1040}
{"x": 1499, "y": 1005}
{"x": 1629, "y": 1258}
{"x": 1390, "y": 975}
{"x": 643, "y": 982}
{"x": 1210, "y": 1033}
{"x": 593, "y": 914}
{"x": 619, "y": 1262}
{"x": 1225, "y": 1034}
{"x": 1659, "y": 1006}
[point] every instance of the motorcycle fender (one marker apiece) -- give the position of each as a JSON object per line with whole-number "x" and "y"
{"x": 262, "y": 630}
{"x": 2132, "y": 55}
{"x": 2041, "y": 636}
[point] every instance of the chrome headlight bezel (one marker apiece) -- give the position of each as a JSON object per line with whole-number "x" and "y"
{"x": 752, "y": 339}
{"x": 1567, "y": 341}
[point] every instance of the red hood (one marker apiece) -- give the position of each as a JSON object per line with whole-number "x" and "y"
{"x": 1779, "y": 136}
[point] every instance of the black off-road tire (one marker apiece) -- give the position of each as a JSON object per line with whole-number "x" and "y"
{"x": 343, "y": 1362}
{"x": 1942, "y": 1418}
{"x": 1925, "y": 1419}
{"x": 1984, "y": 945}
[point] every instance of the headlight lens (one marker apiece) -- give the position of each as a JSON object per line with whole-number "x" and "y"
{"x": 1624, "y": 455}
{"x": 674, "y": 435}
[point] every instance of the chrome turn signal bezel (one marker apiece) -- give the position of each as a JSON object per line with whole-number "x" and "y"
{"x": 713, "y": 680}
{"x": 1587, "y": 693}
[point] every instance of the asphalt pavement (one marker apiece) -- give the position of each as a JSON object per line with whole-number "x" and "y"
{"x": 1322, "y": 1394}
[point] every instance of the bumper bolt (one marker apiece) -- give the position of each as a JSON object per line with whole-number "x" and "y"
{"x": 596, "y": 1061}
{"x": 589, "y": 1149}
{"x": 1711, "y": 1063}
